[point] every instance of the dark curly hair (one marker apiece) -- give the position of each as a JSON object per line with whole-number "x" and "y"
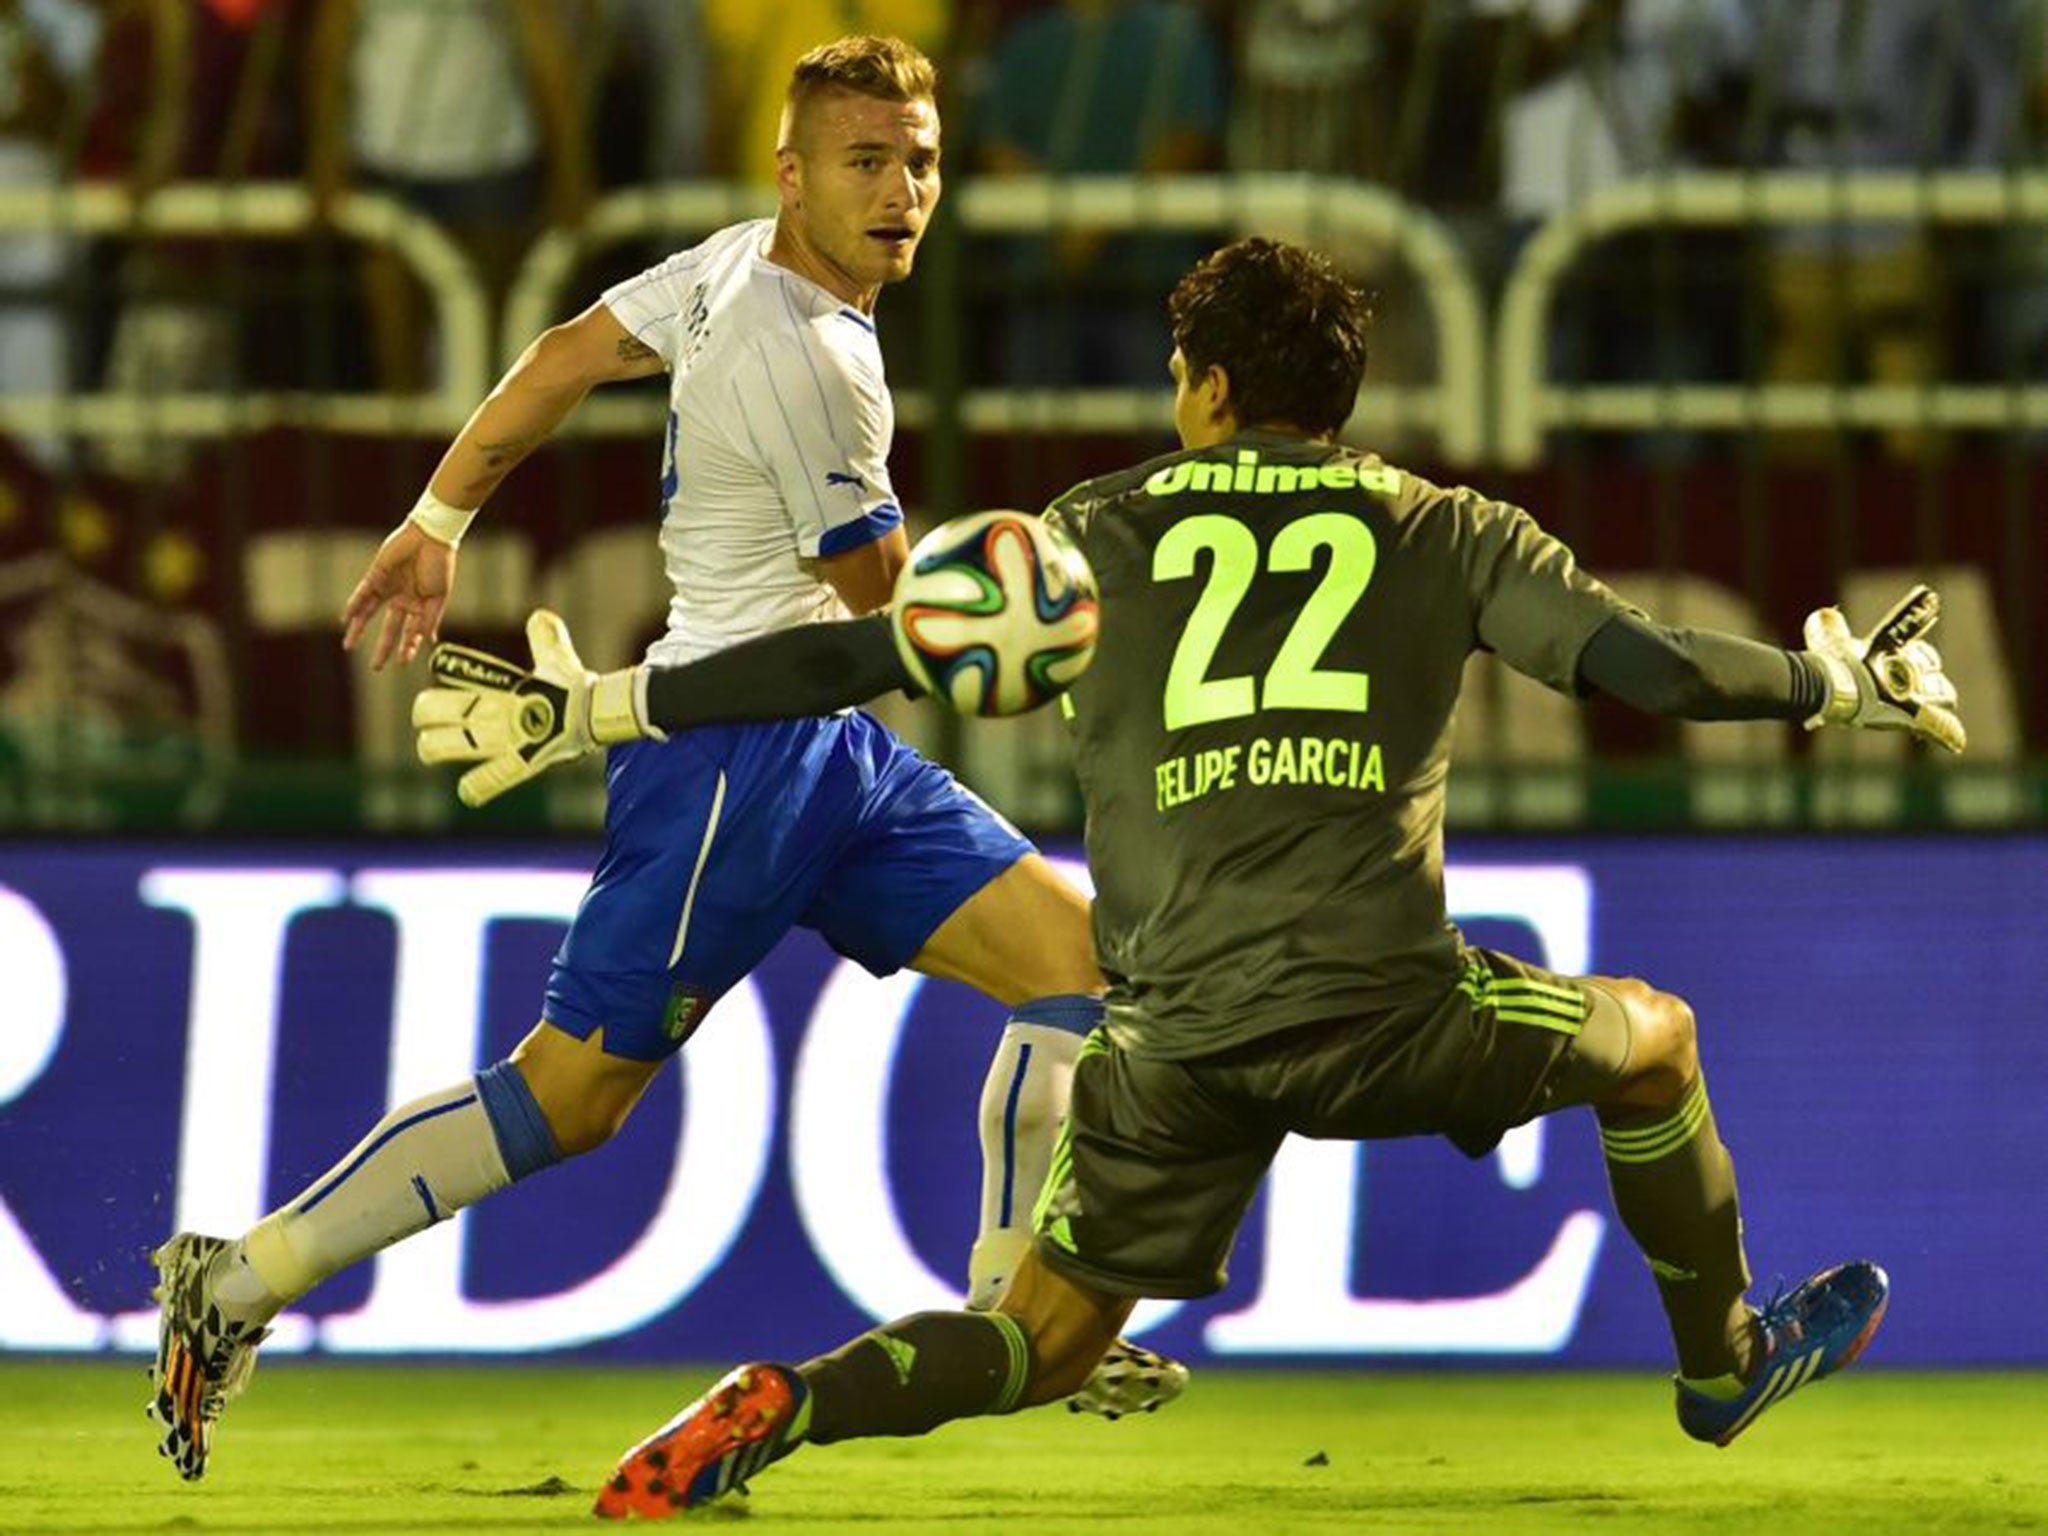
{"x": 1283, "y": 324}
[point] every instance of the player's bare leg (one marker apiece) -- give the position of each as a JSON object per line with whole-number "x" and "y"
{"x": 427, "y": 1159}
{"x": 1025, "y": 934}
{"x": 1025, "y": 939}
{"x": 583, "y": 1090}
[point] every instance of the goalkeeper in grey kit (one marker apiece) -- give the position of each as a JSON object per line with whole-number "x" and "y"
{"x": 1263, "y": 744}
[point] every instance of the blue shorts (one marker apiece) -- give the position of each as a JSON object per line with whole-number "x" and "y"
{"x": 720, "y": 840}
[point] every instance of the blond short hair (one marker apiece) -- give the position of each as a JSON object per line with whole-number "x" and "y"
{"x": 886, "y": 68}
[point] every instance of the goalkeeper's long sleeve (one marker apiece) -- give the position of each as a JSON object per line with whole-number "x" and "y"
{"x": 812, "y": 669}
{"x": 1700, "y": 674}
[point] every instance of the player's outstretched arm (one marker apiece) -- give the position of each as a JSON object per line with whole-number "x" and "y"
{"x": 412, "y": 575}
{"x": 516, "y": 723}
{"x": 1890, "y": 679}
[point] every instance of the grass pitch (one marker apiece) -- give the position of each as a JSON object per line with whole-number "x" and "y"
{"x": 318, "y": 1448}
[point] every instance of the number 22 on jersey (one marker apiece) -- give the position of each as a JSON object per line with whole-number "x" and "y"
{"x": 1294, "y": 680}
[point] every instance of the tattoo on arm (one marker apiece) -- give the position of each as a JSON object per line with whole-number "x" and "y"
{"x": 633, "y": 350}
{"x": 500, "y": 459}
{"x": 507, "y": 453}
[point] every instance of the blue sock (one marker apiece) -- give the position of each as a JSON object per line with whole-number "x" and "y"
{"x": 524, "y": 1140}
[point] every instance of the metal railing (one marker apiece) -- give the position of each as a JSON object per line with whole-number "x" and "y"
{"x": 260, "y": 211}
{"x": 1452, "y": 409}
{"x": 1752, "y": 771}
{"x": 1530, "y": 403}
{"x": 1525, "y": 403}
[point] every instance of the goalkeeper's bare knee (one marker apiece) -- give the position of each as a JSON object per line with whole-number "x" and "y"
{"x": 1663, "y": 1055}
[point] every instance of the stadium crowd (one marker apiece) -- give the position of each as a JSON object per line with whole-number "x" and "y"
{"x": 504, "y": 121}
{"x": 500, "y": 119}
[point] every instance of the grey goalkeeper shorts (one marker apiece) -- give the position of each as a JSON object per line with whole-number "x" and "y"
{"x": 1159, "y": 1159}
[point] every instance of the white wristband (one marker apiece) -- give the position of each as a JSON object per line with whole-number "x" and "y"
{"x": 618, "y": 707}
{"x": 1845, "y": 700}
{"x": 439, "y": 521}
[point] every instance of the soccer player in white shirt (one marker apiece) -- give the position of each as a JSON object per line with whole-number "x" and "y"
{"x": 779, "y": 512}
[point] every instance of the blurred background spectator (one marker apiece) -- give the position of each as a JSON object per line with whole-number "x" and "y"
{"x": 46, "y": 50}
{"x": 752, "y": 44}
{"x": 2013, "y": 337}
{"x": 1615, "y": 90}
{"x": 1097, "y": 88}
{"x": 186, "y": 92}
{"x": 1841, "y": 86}
{"x": 1305, "y": 97}
{"x": 651, "y": 117}
{"x": 469, "y": 111}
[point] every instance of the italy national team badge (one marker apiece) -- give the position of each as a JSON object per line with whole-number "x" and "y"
{"x": 684, "y": 1013}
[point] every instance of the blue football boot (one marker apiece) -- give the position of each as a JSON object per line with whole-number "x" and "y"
{"x": 1811, "y": 1331}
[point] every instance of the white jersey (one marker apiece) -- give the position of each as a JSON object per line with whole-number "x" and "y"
{"x": 779, "y": 426}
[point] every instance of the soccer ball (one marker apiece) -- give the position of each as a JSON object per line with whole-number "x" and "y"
{"x": 995, "y": 613}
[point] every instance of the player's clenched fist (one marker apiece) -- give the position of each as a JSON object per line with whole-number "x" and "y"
{"x": 517, "y": 724}
{"x": 1889, "y": 679}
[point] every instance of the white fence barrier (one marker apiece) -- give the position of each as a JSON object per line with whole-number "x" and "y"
{"x": 1530, "y": 403}
{"x": 1452, "y": 409}
{"x": 259, "y": 211}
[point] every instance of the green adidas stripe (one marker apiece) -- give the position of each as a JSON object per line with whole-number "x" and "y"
{"x": 1546, "y": 997}
{"x": 1647, "y": 1144}
{"x": 1539, "y": 1005}
{"x": 1061, "y": 1170}
{"x": 1475, "y": 980}
{"x": 1672, "y": 1134}
{"x": 799, "y": 1426}
{"x": 1695, "y": 1099}
{"x": 1664, "y": 1133}
{"x": 1648, "y": 1154}
{"x": 1055, "y": 1176}
{"x": 1515, "y": 991}
{"x": 1548, "y": 1021}
{"x": 1019, "y": 1374}
{"x": 1547, "y": 988}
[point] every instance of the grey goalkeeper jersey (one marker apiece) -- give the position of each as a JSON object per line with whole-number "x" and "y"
{"x": 1264, "y": 737}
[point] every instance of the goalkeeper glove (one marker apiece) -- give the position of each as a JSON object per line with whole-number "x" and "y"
{"x": 518, "y": 724}
{"x": 1889, "y": 679}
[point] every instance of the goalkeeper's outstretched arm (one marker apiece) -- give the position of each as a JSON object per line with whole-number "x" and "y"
{"x": 812, "y": 669}
{"x": 1700, "y": 674}
{"x": 514, "y": 724}
{"x": 1890, "y": 679}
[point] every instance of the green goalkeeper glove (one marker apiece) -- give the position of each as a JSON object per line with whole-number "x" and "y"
{"x": 1889, "y": 679}
{"x": 518, "y": 724}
